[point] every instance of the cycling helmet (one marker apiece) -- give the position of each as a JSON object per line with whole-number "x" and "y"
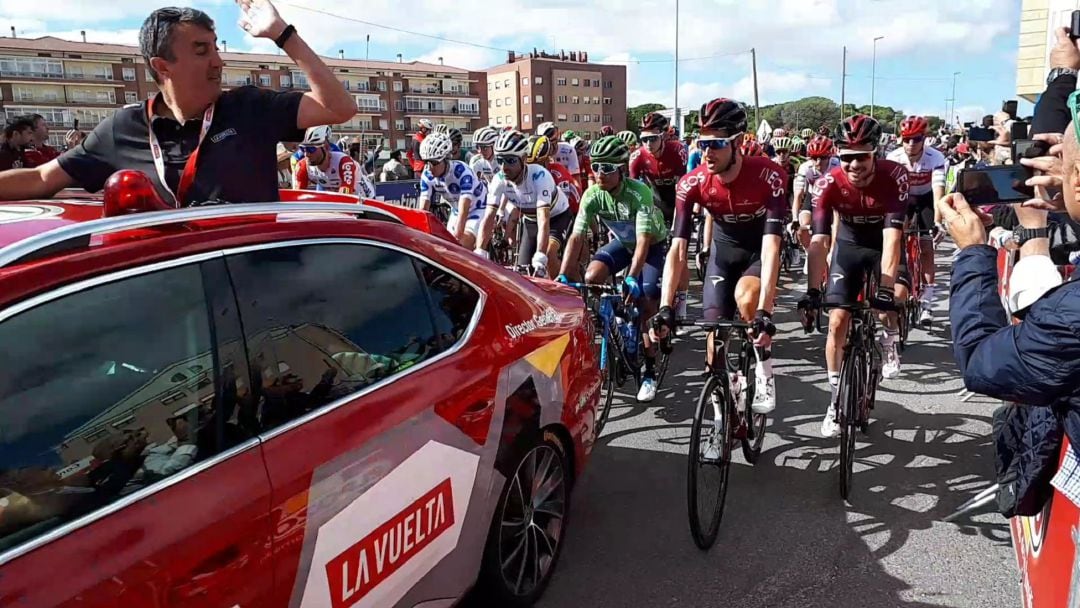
{"x": 580, "y": 145}
{"x": 317, "y": 136}
{"x": 610, "y": 149}
{"x": 722, "y": 114}
{"x": 569, "y": 136}
{"x": 751, "y": 147}
{"x": 820, "y": 147}
{"x": 436, "y": 147}
{"x": 655, "y": 122}
{"x": 455, "y": 136}
{"x": 781, "y": 143}
{"x": 629, "y": 138}
{"x": 539, "y": 147}
{"x": 442, "y": 128}
{"x": 485, "y": 136}
{"x": 800, "y": 148}
{"x": 807, "y": 134}
{"x": 424, "y": 123}
{"x": 778, "y": 132}
{"x": 512, "y": 143}
{"x": 913, "y": 126}
{"x": 607, "y": 130}
{"x": 547, "y": 129}
{"x": 859, "y": 130}
{"x": 824, "y": 130}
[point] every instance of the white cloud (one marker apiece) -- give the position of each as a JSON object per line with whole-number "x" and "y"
{"x": 468, "y": 57}
{"x": 124, "y": 36}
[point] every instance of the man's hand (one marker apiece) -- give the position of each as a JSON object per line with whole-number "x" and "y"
{"x": 662, "y": 324}
{"x": 1065, "y": 53}
{"x": 633, "y": 289}
{"x": 260, "y": 19}
{"x": 966, "y": 225}
{"x": 1052, "y": 174}
{"x": 763, "y": 329}
{"x": 884, "y": 300}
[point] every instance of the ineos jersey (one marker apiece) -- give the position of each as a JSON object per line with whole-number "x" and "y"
{"x": 924, "y": 174}
{"x": 566, "y": 155}
{"x": 664, "y": 170}
{"x": 864, "y": 212}
{"x": 537, "y": 189}
{"x": 752, "y": 205}
{"x": 342, "y": 173}
{"x": 456, "y": 182}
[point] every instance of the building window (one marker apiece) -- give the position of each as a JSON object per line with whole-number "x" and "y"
{"x": 399, "y": 105}
{"x": 573, "y": 82}
{"x": 596, "y": 83}
{"x": 146, "y": 74}
{"x": 397, "y": 86}
{"x": 539, "y": 99}
{"x": 596, "y": 118}
{"x": 383, "y": 124}
{"x": 585, "y": 99}
{"x": 129, "y": 74}
{"x": 506, "y": 83}
{"x": 539, "y": 80}
{"x": 609, "y": 84}
{"x": 561, "y": 98}
{"x": 399, "y": 124}
{"x": 539, "y": 118}
{"x": 498, "y": 85}
{"x": 524, "y": 100}
{"x": 561, "y": 117}
{"x": 561, "y": 82}
{"x": 607, "y": 118}
{"x": 264, "y": 80}
{"x": 498, "y": 103}
{"x": 525, "y": 119}
{"x": 506, "y": 102}
{"x": 576, "y": 117}
{"x": 585, "y": 82}
{"x": 574, "y": 99}
{"x": 607, "y": 101}
{"x": 524, "y": 81}
{"x": 498, "y": 120}
{"x": 131, "y": 97}
{"x": 587, "y": 118}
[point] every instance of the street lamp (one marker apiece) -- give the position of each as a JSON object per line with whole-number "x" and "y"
{"x": 873, "y": 76}
{"x": 949, "y": 119}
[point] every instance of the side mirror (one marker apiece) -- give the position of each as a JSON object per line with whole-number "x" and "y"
{"x": 128, "y": 192}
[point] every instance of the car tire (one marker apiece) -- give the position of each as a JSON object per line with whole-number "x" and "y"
{"x": 501, "y": 554}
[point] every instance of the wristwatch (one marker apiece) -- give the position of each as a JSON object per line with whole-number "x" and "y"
{"x": 1023, "y": 235}
{"x": 1056, "y": 72}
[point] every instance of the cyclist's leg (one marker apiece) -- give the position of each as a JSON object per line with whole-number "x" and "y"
{"x": 847, "y": 273}
{"x": 651, "y": 280}
{"x": 559, "y": 227}
{"x": 926, "y": 248}
{"x": 889, "y": 334}
{"x": 472, "y": 228}
{"x": 608, "y": 260}
{"x": 726, "y": 266}
{"x": 527, "y": 246}
{"x": 747, "y": 296}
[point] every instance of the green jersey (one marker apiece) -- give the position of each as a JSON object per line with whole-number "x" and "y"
{"x": 627, "y": 212}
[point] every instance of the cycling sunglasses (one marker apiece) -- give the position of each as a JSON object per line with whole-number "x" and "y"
{"x": 485, "y": 147}
{"x": 716, "y": 143}
{"x": 604, "y": 168}
{"x": 916, "y": 139}
{"x": 507, "y": 160}
{"x": 310, "y": 149}
{"x": 855, "y": 156}
{"x": 649, "y": 139}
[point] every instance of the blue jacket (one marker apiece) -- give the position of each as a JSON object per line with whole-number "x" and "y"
{"x": 1034, "y": 363}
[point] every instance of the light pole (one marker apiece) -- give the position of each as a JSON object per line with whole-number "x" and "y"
{"x": 675, "y": 112}
{"x": 873, "y": 76}
{"x": 949, "y": 119}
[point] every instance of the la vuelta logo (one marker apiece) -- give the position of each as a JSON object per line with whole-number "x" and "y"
{"x": 366, "y": 564}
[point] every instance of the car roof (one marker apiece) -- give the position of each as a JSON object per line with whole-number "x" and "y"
{"x": 23, "y": 219}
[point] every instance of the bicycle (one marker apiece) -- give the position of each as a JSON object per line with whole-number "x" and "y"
{"x": 789, "y": 249}
{"x": 860, "y": 373}
{"x": 726, "y": 397}
{"x": 701, "y": 252}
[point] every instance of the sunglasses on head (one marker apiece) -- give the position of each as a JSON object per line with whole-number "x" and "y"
{"x": 716, "y": 143}
{"x": 507, "y": 160}
{"x": 648, "y": 139}
{"x": 856, "y": 156}
{"x": 604, "y": 168}
{"x": 914, "y": 140}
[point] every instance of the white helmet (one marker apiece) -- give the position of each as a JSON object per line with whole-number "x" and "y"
{"x": 424, "y": 123}
{"x": 485, "y": 136}
{"x": 547, "y": 129}
{"x": 442, "y": 128}
{"x": 436, "y": 147}
{"x": 317, "y": 136}
{"x": 512, "y": 143}
{"x": 778, "y": 132}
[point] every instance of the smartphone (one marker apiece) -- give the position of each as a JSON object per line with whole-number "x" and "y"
{"x": 991, "y": 186}
{"x": 1009, "y": 107}
{"x": 1018, "y": 130}
{"x": 1027, "y": 148}
{"x": 981, "y": 134}
{"x": 75, "y": 123}
{"x": 1074, "y": 25}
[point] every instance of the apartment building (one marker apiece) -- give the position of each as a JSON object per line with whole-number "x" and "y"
{"x": 563, "y": 88}
{"x": 65, "y": 81}
{"x": 1038, "y": 20}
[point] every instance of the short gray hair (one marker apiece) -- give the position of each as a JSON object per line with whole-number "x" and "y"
{"x": 156, "y": 34}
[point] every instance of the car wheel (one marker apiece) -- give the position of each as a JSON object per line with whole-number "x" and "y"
{"x": 527, "y": 529}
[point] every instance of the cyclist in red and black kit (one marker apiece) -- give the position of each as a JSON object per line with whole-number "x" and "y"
{"x": 870, "y": 197}
{"x": 747, "y": 200}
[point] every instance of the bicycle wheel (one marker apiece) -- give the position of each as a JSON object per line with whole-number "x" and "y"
{"x": 707, "y": 477}
{"x": 755, "y": 437}
{"x": 607, "y": 387}
{"x": 849, "y": 396}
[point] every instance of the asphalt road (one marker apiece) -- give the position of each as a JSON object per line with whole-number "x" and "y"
{"x": 787, "y": 538}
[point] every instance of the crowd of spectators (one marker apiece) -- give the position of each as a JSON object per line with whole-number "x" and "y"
{"x": 25, "y": 142}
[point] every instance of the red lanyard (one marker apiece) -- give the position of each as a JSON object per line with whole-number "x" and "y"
{"x": 188, "y": 176}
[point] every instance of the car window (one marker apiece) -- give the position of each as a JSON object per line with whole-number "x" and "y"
{"x": 453, "y": 303}
{"x": 102, "y": 392}
{"x": 325, "y": 321}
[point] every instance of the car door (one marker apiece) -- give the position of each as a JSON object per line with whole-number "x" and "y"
{"x": 376, "y": 411}
{"x": 128, "y": 476}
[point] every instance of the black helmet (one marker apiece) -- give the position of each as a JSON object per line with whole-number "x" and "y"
{"x": 722, "y": 114}
{"x": 859, "y": 130}
{"x": 654, "y": 121}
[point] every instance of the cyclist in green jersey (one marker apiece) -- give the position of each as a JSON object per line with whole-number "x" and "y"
{"x": 625, "y": 207}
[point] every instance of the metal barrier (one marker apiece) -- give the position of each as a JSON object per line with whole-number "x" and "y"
{"x": 404, "y": 192}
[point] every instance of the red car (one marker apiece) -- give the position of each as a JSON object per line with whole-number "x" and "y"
{"x": 285, "y": 404}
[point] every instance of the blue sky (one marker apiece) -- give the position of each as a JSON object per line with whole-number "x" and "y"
{"x": 798, "y": 42}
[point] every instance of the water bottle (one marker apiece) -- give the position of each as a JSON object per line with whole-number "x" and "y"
{"x": 629, "y": 339}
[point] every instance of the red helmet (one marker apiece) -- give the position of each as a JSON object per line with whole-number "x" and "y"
{"x": 722, "y": 114}
{"x": 751, "y": 147}
{"x": 820, "y": 147}
{"x": 913, "y": 126}
{"x": 859, "y": 130}
{"x": 607, "y": 130}
{"x": 654, "y": 121}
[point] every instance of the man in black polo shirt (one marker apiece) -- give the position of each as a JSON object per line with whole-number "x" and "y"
{"x": 202, "y": 144}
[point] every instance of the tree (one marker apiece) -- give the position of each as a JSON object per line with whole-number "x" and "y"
{"x": 690, "y": 123}
{"x": 805, "y": 113}
{"x": 635, "y": 114}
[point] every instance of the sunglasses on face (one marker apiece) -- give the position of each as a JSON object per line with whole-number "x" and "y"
{"x": 604, "y": 168}
{"x": 782, "y": 151}
{"x": 309, "y": 149}
{"x": 718, "y": 143}
{"x": 507, "y": 160}
{"x": 649, "y": 139}
{"x": 914, "y": 140}
{"x": 850, "y": 158}
{"x": 483, "y": 148}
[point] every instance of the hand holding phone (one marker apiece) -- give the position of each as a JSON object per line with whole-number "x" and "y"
{"x": 991, "y": 186}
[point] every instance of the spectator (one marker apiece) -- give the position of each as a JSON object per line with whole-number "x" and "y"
{"x": 393, "y": 169}
{"x": 214, "y": 145}
{"x": 40, "y": 152}
{"x": 424, "y": 126}
{"x": 18, "y": 134}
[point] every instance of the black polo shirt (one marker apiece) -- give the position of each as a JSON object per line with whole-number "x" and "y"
{"x": 237, "y": 162}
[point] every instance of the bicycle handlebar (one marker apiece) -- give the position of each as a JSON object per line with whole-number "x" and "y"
{"x": 595, "y": 287}
{"x": 711, "y": 325}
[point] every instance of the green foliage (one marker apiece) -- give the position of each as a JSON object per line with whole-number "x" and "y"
{"x": 634, "y": 115}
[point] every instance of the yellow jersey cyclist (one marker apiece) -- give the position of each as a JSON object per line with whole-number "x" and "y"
{"x": 625, "y": 208}
{"x": 530, "y": 191}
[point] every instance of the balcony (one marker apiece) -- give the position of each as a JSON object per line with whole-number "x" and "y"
{"x": 439, "y": 90}
{"x": 56, "y": 77}
{"x": 446, "y": 110}
{"x": 92, "y": 102}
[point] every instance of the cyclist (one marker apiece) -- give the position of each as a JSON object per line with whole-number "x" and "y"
{"x": 581, "y": 148}
{"x": 821, "y": 161}
{"x": 564, "y": 153}
{"x": 747, "y": 201}
{"x": 625, "y": 208}
{"x": 869, "y": 195}
{"x": 630, "y": 139}
{"x": 752, "y": 148}
{"x": 693, "y": 158}
{"x": 807, "y": 134}
{"x": 457, "y": 153}
{"x": 483, "y": 162}
{"x": 540, "y": 149}
{"x": 455, "y": 183}
{"x": 530, "y": 191}
{"x": 927, "y": 169}
{"x": 323, "y": 169}
{"x": 607, "y": 131}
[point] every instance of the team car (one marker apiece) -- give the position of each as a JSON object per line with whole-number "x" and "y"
{"x": 316, "y": 402}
